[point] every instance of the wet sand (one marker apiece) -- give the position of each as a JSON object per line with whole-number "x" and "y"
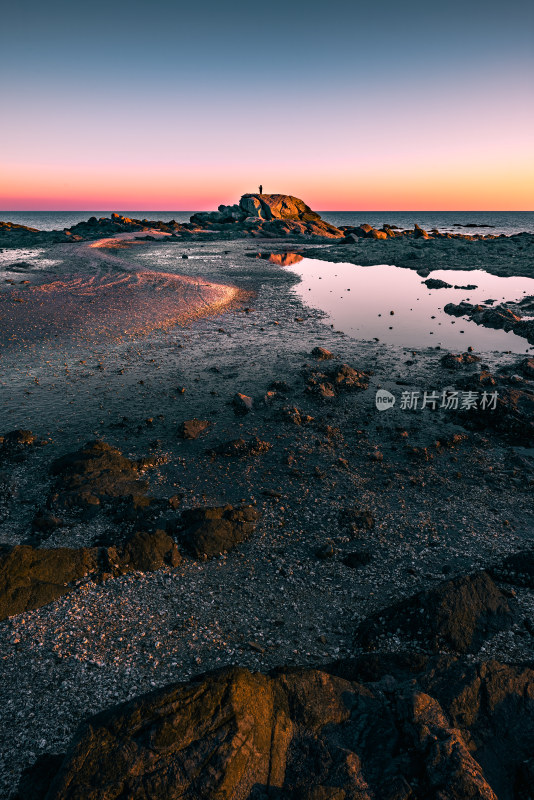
{"x": 124, "y": 302}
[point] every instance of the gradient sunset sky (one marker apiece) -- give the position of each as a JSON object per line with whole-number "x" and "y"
{"x": 167, "y": 105}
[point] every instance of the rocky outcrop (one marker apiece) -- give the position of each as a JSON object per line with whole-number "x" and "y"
{"x": 500, "y": 317}
{"x": 395, "y": 728}
{"x": 267, "y": 216}
{"x": 208, "y": 532}
{"x": 456, "y": 615}
{"x": 32, "y": 577}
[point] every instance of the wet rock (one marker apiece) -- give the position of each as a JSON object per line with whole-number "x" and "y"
{"x": 242, "y": 448}
{"x": 526, "y": 367}
{"x": 325, "y": 551}
{"x": 15, "y": 444}
{"x": 242, "y": 404}
{"x": 457, "y": 614}
{"x": 437, "y": 283}
{"x": 97, "y": 473}
{"x": 192, "y": 428}
{"x": 517, "y": 569}
{"x": 214, "y": 530}
{"x": 392, "y": 727}
{"x": 46, "y": 522}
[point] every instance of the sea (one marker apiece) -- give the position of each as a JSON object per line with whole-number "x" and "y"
{"x": 494, "y": 222}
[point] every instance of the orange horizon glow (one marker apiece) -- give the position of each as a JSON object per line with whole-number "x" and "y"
{"x": 444, "y": 187}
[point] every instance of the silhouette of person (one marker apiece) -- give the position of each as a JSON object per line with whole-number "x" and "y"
{"x": 261, "y": 189}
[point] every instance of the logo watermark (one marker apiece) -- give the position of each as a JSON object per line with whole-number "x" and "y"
{"x": 384, "y": 400}
{"x": 449, "y": 399}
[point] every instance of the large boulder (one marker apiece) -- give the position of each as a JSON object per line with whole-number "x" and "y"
{"x": 394, "y": 728}
{"x": 277, "y": 206}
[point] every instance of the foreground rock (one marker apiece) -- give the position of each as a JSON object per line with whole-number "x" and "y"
{"x": 32, "y": 577}
{"x": 395, "y": 728}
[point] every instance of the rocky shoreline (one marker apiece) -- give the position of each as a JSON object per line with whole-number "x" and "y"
{"x": 228, "y": 497}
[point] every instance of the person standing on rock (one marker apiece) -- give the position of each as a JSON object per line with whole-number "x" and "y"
{"x": 261, "y": 189}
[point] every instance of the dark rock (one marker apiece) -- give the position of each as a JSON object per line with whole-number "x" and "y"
{"x": 436, "y": 283}
{"x": 526, "y": 367}
{"x": 192, "y": 428}
{"x": 325, "y": 551}
{"x": 242, "y": 404}
{"x": 457, "y": 614}
{"x": 358, "y": 558}
{"x": 212, "y": 531}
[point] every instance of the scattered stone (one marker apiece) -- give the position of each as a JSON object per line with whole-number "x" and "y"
{"x": 457, "y": 361}
{"x": 192, "y": 428}
{"x": 242, "y": 404}
{"x": 242, "y": 448}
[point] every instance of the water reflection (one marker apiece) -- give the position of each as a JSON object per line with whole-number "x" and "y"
{"x": 394, "y": 305}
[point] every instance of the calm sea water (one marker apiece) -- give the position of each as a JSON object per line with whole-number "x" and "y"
{"x": 507, "y": 222}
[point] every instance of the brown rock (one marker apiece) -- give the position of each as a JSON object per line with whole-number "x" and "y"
{"x": 322, "y": 354}
{"x": 192, "y": 428}
{"x": 214, "y": 530}
{"x": 96, "y": 473}
{"x": 30, "y": 578}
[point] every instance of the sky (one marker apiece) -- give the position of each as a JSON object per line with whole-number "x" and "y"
{"x": 348, "y": 105}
